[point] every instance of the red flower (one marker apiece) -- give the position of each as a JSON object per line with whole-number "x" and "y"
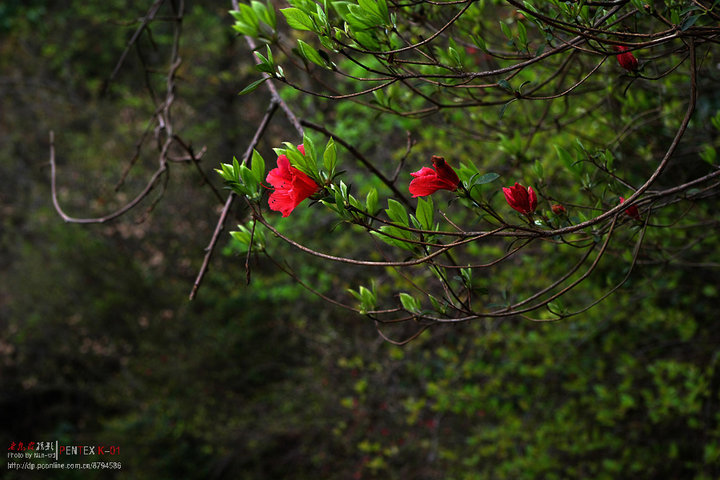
{"x": 522, "y": 199}
{"x": 428, "y": 181}
{"x": 632, "y": 210}
{"x": 291, "y": 186}
{"x": 558, "y": 209}
{"x": 626, "y": 59}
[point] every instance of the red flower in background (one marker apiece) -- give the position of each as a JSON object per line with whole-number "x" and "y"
{"x": 522, "y": 199}
{"x": 291, "y": 186}
{"x": 558, "y": 209}
{"x": 428, "y": 181}
{"x": 626, "y": 59}
{"x": 632, "y": 210}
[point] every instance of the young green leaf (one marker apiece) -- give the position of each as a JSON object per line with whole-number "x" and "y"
{"x": 371, "y": 201}
{"x": 424, "y": 212}
{"x": 309, "y": 145}
{"x": 330, "y": 157}
{"x": 258, "y": 166}
{"x": 396, "y": 212}
{"x": 409, "y": 303}
{"x": 311, "y": 54}
{"x": 265, "y": 13}
{"x": 236, "y": 169}
{"x": 248, "y": 179}
{"x": 253, "y": 86}
{"x": 298, "y": 19}
{"x": 387, "y": 230}
{"x": 567, "y": 159}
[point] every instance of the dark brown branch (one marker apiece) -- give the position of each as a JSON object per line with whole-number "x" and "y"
{"x": 361, "y": 158}
{"x": 149, "y": 16}
{"x": 220, "y": 226}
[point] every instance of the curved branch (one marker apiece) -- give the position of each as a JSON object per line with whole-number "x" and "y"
{"x": 121, "y": 211}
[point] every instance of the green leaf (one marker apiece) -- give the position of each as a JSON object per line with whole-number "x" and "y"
{"x": 466, "y": 274}
{"x": 246, "y": 20}
{"x": 480, "y": 43}
{"x": 716, "y": 119}
{"x": 298, "y": 19}
{"x": 371, "y": 201}
{"x": 504, "y": 107}
{"x": 383, "y": 11}
{"x": 236, "y": 169}
{"x": 253, "y": 86}
{"x": 506, "y": 30}
{"x": 709, "y": 154}
{"x": 330, "y": 157}
{"x": 556, "y": 307}
{"x": 245, "y": 237}
{"x": 371, "y": 11}
{"x": 310, "y": 152}
{"x": 424, "y": 212}
{"x": 567, "y": 159}
{"x": 266, "y": 63}
{"x": 248, "y": 179}
{"x": 675, "y": 17}
{"x": 386, "y": 230}
{"x": 522, "y": 34}
{"x": 538, "y": 169}
{"x": 304, "y": 163}
{"x": 257, "y": 165}
{"x": 311, "y": 54}
{"x": 242, "y": 237}
{"x": 409, "y": 303}
{"x": 226, "y": 171}
{"x": 689, "y": 22}
{"x": 487, "y": 178}
{"x": 476, "y": 180}
{"x": 366, "y": 298}
{"x": 396, "y": 212}
{"x": 266, "y": 13}
{"x": 530, "y": 7}
{"x": 505, "y": 85}
{"x": 453, "y": 53}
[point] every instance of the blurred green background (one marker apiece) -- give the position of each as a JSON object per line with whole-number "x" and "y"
{"x": 99, "y": 344}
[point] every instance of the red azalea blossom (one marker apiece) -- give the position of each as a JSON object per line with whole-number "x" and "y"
{"x": 291, "y": 185}
{"x": 626, "y": 59}
{"x": 428, "y": 181}
{"x": 522, "y": 199}
{"x": 632, "y": 210}
{"x": 558, "y": 209}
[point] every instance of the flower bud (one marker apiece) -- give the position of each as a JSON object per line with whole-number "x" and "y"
{"x": 626, "y": 59}
{"x": 558, "y": 209}
{"x": 522, "y": 199}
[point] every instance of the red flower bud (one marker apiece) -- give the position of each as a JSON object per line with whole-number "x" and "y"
{"x": 632, "y": 210}
{"x": 291, "y": 185}
{"x": 558, "y": 209}
{"x": 428, "y": 181}
{"x": 522, "y": 199}
{"x": 626, "y": 59}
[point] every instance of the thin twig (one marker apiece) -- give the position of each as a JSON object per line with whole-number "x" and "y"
{"x": 219, "y": 227}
